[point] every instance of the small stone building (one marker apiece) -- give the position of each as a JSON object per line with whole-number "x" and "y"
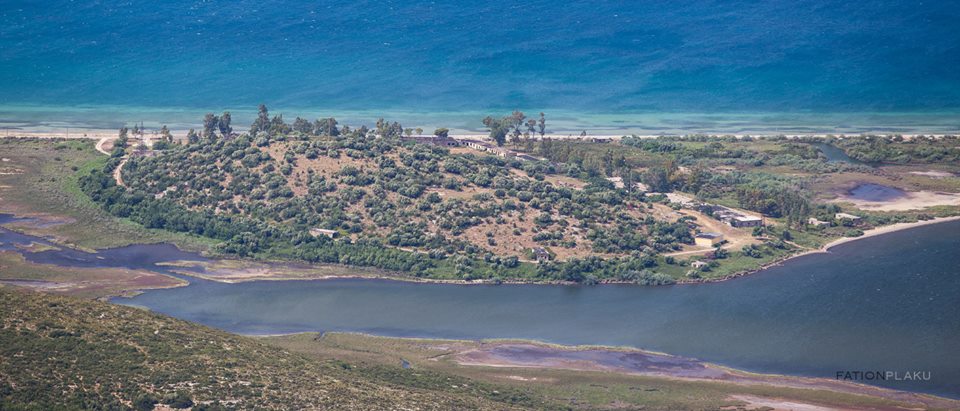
{"x": 708, "y": 239}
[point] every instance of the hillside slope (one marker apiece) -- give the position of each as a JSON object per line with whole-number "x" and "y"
{"x": 64, "y": 353}
{"x": 431, "y": 211}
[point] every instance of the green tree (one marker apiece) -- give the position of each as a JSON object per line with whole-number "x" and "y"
{"x": 542, "y": 124}
{"x": 210, "y": 125}
{"x": 657, "y": 178}
{"x": 262, "y": 123}
{"x": 515, "y": 121}
{"x": 278, "y": 126}
{"x": 498, "y": 132}
{"x": 192, "y": 137}
{"x": 442, "y": 132}
{"x": 326, "y": 127}
{"x": 165, "y": 134}
{"x": 145, "y": 402}
{"x": 301, "y": 125}
{"x": 224, "y": 124}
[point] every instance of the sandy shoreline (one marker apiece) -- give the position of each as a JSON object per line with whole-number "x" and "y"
{"x": 885, "y": 230}
{"x": 82, "y": 133}
{"x": 266, "y": 276}
{"x": 259, "y": 271}
{"x": 914, "y": 200}
{"x": 629, "y": 361}
{"x": 532, "y": 354}
{"x": 826, "y": 248}
{"x": 233, "y": 271}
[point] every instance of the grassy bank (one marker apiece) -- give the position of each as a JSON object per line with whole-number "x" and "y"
{"x": 65, "y": 353}
{"x": 41, "y": 181}
{"x": 79, "y": 281}
{"x": 567, "y": 388}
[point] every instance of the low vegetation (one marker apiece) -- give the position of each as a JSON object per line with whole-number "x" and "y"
{"x": 322, "y": 192}
{"x": 900, "y": 150}
{"x": 65, "y": 353}
{"x": 39, "y": 179}
{"x": 388, "y": 203}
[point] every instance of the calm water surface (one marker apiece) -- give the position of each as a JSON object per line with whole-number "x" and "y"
{"x": 835, "y": 154}
{"x": 636, "y": 67}
{"x": 875, "y": 192}
{"x": 887, "y": 303}
{"x": 884, "y": 303}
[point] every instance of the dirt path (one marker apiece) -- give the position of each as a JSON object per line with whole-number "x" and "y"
{"x": 100, "y": 144}
{"x": 117, "y": 171}
{"x": 691, "y": 252}
{"x": 736, "y": 237}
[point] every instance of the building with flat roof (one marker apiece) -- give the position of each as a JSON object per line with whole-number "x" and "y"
{"x": 745, "y": 221}
{"x": 845, "y": 216}
{"x": 734, "y": 218}
{"x": 708, "y": 239}
{"x": 501, "y": 152}
{"x": 477, "y": 144}
{"x": 817, "y": 223}
{"x": 433, "y": 140}
{"x": 317, "y": 232}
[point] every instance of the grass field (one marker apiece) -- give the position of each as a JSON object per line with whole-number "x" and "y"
{"x": 556, "y": 387}
{"x": 40, "y": 180}
{"x": 63, "y": 353}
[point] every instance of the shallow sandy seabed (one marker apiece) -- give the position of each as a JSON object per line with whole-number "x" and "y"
{"x": 914, "y": 200}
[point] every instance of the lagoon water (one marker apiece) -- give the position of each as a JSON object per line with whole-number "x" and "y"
{"x": 887, "y": 303}
{"x": 835, "y": 154}
{"x": 607, "y": 67}
{"x": 875, "y": 192}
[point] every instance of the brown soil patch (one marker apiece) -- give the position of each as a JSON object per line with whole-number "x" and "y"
{"x": 464, "y": 150}
{"x": 466, "y": 193}
{"x": 322, "y": 165}
{"x": 914, "y": 200}
{"x": 933, "y": 173}
{"x": 780, "y": 404}
{"x": 509, "y": 244}
{"x": 736, "y": 237}
{"x": 234, "y": 271}
{"x": 557, "y": 180}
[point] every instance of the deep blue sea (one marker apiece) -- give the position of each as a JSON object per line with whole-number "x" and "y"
{"x": 608, "y": 67}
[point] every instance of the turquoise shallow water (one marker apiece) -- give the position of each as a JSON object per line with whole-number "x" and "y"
{"x": 559, "y": 122}
{"x": 608, "y": 67}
